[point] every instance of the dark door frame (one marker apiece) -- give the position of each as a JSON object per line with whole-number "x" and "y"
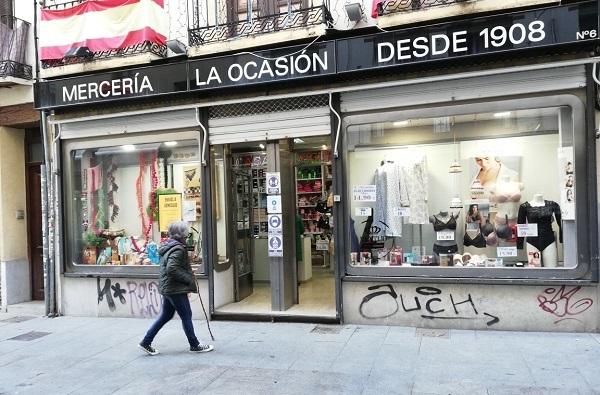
{"x": 32, "y": 136}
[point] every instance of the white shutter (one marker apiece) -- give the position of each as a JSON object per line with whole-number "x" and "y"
{"x": 270, "y": 126}
{"x": 162, "y": 120}
{"x": 544, "y": 80}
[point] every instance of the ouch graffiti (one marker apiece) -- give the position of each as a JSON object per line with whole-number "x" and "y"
{"x": 563, "y": 303}
{"x": 429, "y": 302}
{"x": 140, "y": 297}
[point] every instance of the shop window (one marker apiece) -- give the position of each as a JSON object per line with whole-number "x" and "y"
{"x": 125, "y": 196}
{"x": 492, "y": 190}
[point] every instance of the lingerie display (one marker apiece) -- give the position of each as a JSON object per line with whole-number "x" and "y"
{"x": 484, "y": 230}
{"x": 543, "y": 217}
{"x": 477, "y": 242}
{"x": 440, "y": 226}
{"x": 505, "y": 231}
{"x": 450, "y": 250}
{"x": 507, "y": 195}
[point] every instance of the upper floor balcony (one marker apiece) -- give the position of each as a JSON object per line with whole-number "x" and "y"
{"x": 13, "y": 51}
{"x": 78, "y": 46}
{"x": 393, "y": 13}
{"x": 108, "y": 37}
{"x": 235, "y": 24}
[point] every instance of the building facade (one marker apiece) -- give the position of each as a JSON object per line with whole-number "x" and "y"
{"x": 21, "y": 156}
{"x": 415, "y": 163}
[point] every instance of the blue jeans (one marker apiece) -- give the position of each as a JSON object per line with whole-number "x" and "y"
{"x": 174, "y": 303}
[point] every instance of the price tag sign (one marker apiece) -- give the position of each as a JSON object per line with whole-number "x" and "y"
{"x": 363, "y": 211}
{"x": 527, "y": 230}
{"x": 504, "y": 252}
{"x": 402, "y": 211}
{"x": 322, "y": 245}
{"x": 445, "y": 235}
{"x": 364, "y": 193}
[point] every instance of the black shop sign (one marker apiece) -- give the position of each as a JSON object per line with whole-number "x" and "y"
{"x": 506, "y": 33}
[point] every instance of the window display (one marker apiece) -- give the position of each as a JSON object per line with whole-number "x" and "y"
{"x": 124, "y": 198}
{"x": 462, "y": 191}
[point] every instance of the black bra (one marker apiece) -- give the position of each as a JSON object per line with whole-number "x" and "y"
{"x": 504, "y": 231}
{"x": 487, "y": 228}
{"x": 477, "y": 242}
{"x": 440, "y": 225}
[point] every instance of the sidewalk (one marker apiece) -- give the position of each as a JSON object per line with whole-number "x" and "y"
{"x": 100, "y": 356}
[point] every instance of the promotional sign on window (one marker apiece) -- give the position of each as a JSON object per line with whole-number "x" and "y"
{"x": 169, "y": 210}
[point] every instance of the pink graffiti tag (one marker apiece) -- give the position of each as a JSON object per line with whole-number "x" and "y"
{"x": 558, "y": 302}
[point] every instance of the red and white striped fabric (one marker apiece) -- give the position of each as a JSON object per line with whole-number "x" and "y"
{"x": 102, "y": 25}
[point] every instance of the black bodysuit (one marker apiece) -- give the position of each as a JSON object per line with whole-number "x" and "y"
{"x": 542, "y": 216}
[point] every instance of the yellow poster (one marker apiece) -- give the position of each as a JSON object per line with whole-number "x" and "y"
{"x": 169, "y": 210}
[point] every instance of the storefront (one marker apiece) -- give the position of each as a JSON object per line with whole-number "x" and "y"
{"x": 464, "y": 199}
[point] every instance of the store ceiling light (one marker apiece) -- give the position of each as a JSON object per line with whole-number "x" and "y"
{"x": 298, "y": 141}
{"x": 128, "y": 147}
{"x": 400, "y": 124}
{"x": 262, "y": 146}
{"x": 503, "y": 114}
{"x": 324, "y": 147}
{"x": 171, "y": 143}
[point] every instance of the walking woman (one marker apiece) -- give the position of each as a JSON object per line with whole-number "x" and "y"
{"x": 175, "y": 282}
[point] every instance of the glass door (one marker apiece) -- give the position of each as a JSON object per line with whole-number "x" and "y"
{"x": 242, "y": 217}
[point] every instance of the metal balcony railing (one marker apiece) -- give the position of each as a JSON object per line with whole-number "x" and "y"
{"x": 399, "y": 6}
{"x": 13, "y": 48}
{"x": 240, "y": 18}
{"x": 144, "y": 47}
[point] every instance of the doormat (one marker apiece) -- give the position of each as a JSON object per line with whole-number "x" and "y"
{"x": 326, "y": 330}
{"x": 29, "y": 336}
{"x": 19, "y": 318}
{"x": 424, "y": 332}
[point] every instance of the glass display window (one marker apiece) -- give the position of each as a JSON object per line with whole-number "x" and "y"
{"x": 471, "y": 190}
{"x": 124, "y": 193}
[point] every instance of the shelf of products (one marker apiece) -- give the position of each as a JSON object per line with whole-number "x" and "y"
{"x": 313, "y": 183}
{"x": 255, "y": 165}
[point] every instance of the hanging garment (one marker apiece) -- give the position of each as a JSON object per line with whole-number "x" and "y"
{"x": 396, "y": 197}
{"x": 415, "y": 183}
{"x": 379, "y": 214}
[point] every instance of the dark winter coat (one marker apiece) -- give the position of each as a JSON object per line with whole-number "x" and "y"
{"x": 176, "y": 276}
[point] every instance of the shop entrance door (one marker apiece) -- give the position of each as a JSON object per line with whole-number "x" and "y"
{"x": 275, "y": 256}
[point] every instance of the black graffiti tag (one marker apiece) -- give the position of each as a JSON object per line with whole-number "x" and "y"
{"x": 390, "y": 291}
{"x": 106, "y": 292}
{"x": 434, "y": 304}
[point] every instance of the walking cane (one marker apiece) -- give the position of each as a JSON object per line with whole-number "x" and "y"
{"x": 203, "y": 309}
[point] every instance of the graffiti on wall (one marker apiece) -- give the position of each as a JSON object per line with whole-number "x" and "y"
{"x": 142, "y": 297}
{"x": 563, "y": 303}
{"x": 429, "y": 302}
